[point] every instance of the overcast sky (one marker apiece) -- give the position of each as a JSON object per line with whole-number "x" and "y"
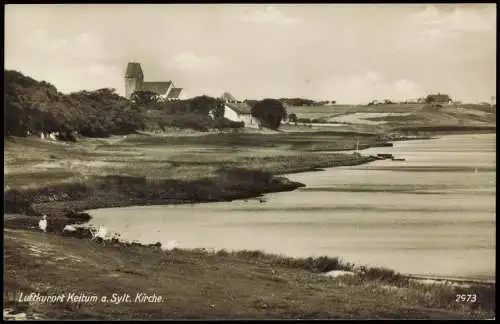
{"x": 349, "y": 53}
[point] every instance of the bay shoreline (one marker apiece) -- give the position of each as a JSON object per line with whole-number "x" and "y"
{"x": 232, "y": 184}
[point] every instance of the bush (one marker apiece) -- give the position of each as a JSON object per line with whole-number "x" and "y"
{"x": 304, "y": 120}
{"x": 16, "y": 203}
{"x": 270, "y": 112}
{"x": 320, "y": 264}
{"x": 189, "y": 121}
{"x": 144, "y": 98}
{"x": 297, "y": 101}
{"x": 224, "y": 123}
{"x": 218, "y": 111}
{"x": 202, "y": 105}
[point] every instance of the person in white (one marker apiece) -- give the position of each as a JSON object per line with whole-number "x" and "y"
{"x": 43, "y": 223}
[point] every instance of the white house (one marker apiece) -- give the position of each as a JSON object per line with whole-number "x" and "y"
{"x": 238, "y": 111}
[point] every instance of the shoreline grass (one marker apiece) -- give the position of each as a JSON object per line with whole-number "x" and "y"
{"x": 254, "y": 277}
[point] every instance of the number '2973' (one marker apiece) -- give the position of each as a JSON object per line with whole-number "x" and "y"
{"x": 468, "y": 298}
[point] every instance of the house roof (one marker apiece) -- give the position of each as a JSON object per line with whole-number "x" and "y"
{"x": 439, "y": 97}
{"x": 226, "y": 96}
{"x": 133, "y": 70}
{"x": 174, "y": 93}
{"x": 240, "y": 108}
{"x": 157, "y": 87}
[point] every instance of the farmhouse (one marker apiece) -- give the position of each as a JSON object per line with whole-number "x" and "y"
{"x": 134, "y": 81}
{"x": 238, "y": 111}
{"x": 438, "y": 99}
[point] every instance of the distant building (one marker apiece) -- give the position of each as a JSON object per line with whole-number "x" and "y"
{"x": 438, "y": 99}
{"x": 134, "y": 81}
{"x": 238, "y": 111}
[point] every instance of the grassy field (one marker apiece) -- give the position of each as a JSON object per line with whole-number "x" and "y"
{"x": 32, "y": 162}
{"x": 417, "y": 115}
{"x": 334, "y": 110}
{"x": 196, "y": 284}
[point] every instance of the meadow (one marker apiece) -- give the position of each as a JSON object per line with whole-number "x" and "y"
{"x": 198, "y": 284}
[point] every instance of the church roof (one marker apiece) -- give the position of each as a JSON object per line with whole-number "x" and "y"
{"x": 133, "y": 70}
{"x": 157, "y": 87}
{"x": 174, "y": 93}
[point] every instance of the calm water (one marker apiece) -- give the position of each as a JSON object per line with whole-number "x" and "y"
{"x": 432, "y": 214}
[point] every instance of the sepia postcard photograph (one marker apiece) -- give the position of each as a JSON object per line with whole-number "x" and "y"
{"x": 249, "y": 161}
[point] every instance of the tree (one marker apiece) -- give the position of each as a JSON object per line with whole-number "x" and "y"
{"x": 33, "y": 107}
{"x": 218, "y": 111}
{"x": 293, "y": 118}
{"x": 333, "y": 102}
{"x": 269, "y": 112}
{"x": 144, "y": 98}
{"x": 202, "y": 105}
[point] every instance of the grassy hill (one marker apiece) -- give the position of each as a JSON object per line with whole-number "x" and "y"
{"x": 395, "y": 115}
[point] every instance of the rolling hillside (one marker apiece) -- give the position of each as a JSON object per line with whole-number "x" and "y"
{"x": 397, "y": 115}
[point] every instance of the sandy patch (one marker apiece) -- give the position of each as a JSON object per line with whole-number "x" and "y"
{"x": 36, "y": 251}
{"x": 361, "y": 118}
{"x": 69, "y": 258}
{"x": 10, "y": 314}
{"x": 393, "y": 288}
{"x": 46, "y": 252}
{"x": 432, "y": 282}
{"x": 75, "y": 164}
{"x": 173, "y": 244}
{"x": 460, "y": 110}
{"x": 339, "y": 273}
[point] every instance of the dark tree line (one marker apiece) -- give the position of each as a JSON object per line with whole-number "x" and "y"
{"x": 305, "y": 102}
{"x": 33, "y": 107}
{"x": 199, "y": 113}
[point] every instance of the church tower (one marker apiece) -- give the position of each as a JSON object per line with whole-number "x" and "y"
{"x": 134, "y": 78}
